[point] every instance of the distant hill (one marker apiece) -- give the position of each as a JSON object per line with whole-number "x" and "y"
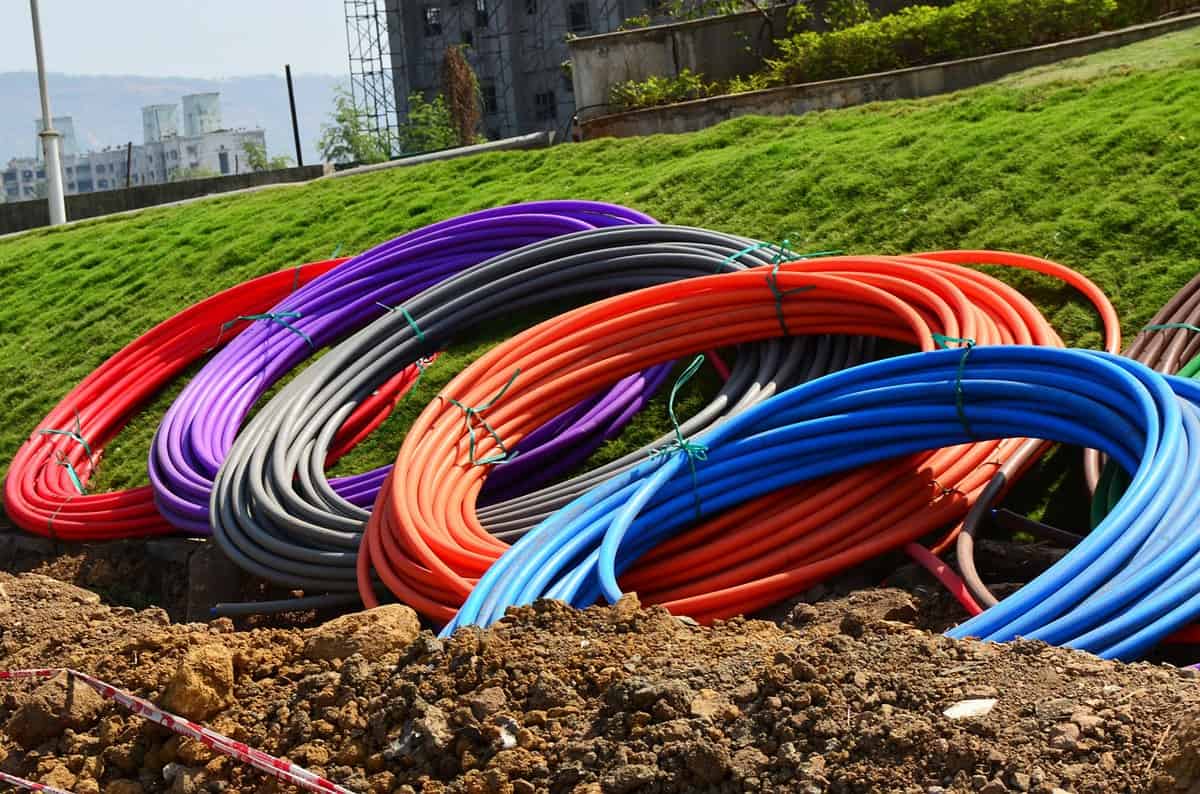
{"x": 108, "y": 109}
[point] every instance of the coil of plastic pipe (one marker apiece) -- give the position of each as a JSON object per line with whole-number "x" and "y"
{"x": 1169, "y": 344}
{"x": 276, "y": 516}
{"x": 426, "y": 544}
{"x": 1129, "y": 584}
{"x": 203, "y": 421}
{"x": 43, "y": 489}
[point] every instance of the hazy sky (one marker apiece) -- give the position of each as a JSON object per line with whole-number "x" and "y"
{"x": 187, "y": 38}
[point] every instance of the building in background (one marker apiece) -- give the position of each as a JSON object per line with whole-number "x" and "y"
{"x": 517, "y": 48}
{"x": 66, "y": 127}
{"x": 159, "y": 121}
{"x": 163, "y": 155}
{"x": 201, "y": 114}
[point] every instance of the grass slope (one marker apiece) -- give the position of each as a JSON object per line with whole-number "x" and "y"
{"x": 1092, "y": 163}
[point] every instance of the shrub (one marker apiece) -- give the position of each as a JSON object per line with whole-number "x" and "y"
{"x": 913, "y": 36}
{"x": 661, "y": 90}
{"x": 841, "y": 14}
{"x": 920, "y": 35}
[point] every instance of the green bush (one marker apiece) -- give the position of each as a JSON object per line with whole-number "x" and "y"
{"x": 661, "y": 90}
{"x": 920, "y": 35}
{"x": 913, "y": 36}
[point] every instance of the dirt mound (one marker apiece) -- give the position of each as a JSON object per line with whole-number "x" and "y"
{"x": 851, "y": 698}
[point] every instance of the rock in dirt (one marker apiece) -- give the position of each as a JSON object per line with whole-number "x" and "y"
{"x": 62, "y": 702}
{"x": 629, "y": 778}
{"x": 966, "y": 709}
{"x": 1065, "y": 736}
{"x": 202, "y": 684}
{"x": 487, "y": 702}
{"x": 59, "y": 777}
{"x": 713, "y": 705}
{"x": 384, "y": 631}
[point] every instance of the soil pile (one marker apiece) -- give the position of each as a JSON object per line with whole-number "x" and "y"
{"x": 851, "y": 696}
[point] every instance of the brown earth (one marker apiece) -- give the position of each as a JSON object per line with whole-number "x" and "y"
{"x": 850, "y": 697}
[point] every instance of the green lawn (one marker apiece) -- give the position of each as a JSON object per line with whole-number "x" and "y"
{"x": 1092, "y": 163}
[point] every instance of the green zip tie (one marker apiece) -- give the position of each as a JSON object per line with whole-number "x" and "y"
{"x": 61, "y": 460}
{"x": 694, "y": 450}
{"x": 780, "y": 294}
{"x": 280, "y": 318}
{"x": 469, "y": 411}
{"x": 784, "y": 252}
{"x": 1173, "y": 327}
{"x": 411, "y": 322}
{"x": 780, "y": 251}
{"x": 738, "y": 255}
{"x": 75, "y": 435}
{"x": 943, "y": 342}
{"x": 336, "y": 251}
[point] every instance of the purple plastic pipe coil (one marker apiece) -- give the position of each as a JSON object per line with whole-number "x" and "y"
{"x": 199, "y": 428}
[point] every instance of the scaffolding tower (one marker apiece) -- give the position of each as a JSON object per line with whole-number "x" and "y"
{"x": 372, "y": 87}
{"x": 516, "y": 47}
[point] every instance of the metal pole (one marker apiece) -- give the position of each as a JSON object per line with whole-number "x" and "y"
{"x": 128, "y": 164}
{"x": 50, "y": 136}
{"x": 287, "y": 70}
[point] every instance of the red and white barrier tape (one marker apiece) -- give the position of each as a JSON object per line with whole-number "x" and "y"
{"x": 29, "y": 785}
{"x": 281, "y": 768}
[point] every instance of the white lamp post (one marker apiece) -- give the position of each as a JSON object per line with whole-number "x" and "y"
{"x": 51, "y": 146}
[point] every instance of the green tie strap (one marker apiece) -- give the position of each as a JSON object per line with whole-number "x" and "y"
{"x": 694, "y": 451}
{"x": 76, "y": 435}
{"x": 477, "y": 411}
{"x": 280, "y": 318}
{"x": 408, "y": 317}
{"x": 943, "y": 342}
{"x": 782, "y": 252}
{"x": 61, "y": 460}
{"x": 1172, "y": 327}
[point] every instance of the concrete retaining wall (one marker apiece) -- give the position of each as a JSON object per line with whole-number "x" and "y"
{"x": 717, "y": 47}
{"x": 20, "y": 215}
{"x": 920, "y": 81}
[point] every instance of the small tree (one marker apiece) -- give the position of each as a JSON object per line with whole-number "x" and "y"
{"x": 257, "y": 160}
{"x": 428, "y": 127}
{"x": 256, "y": 155}
{"x": 346, "y": 140}
{"x": 460, "y": 87}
